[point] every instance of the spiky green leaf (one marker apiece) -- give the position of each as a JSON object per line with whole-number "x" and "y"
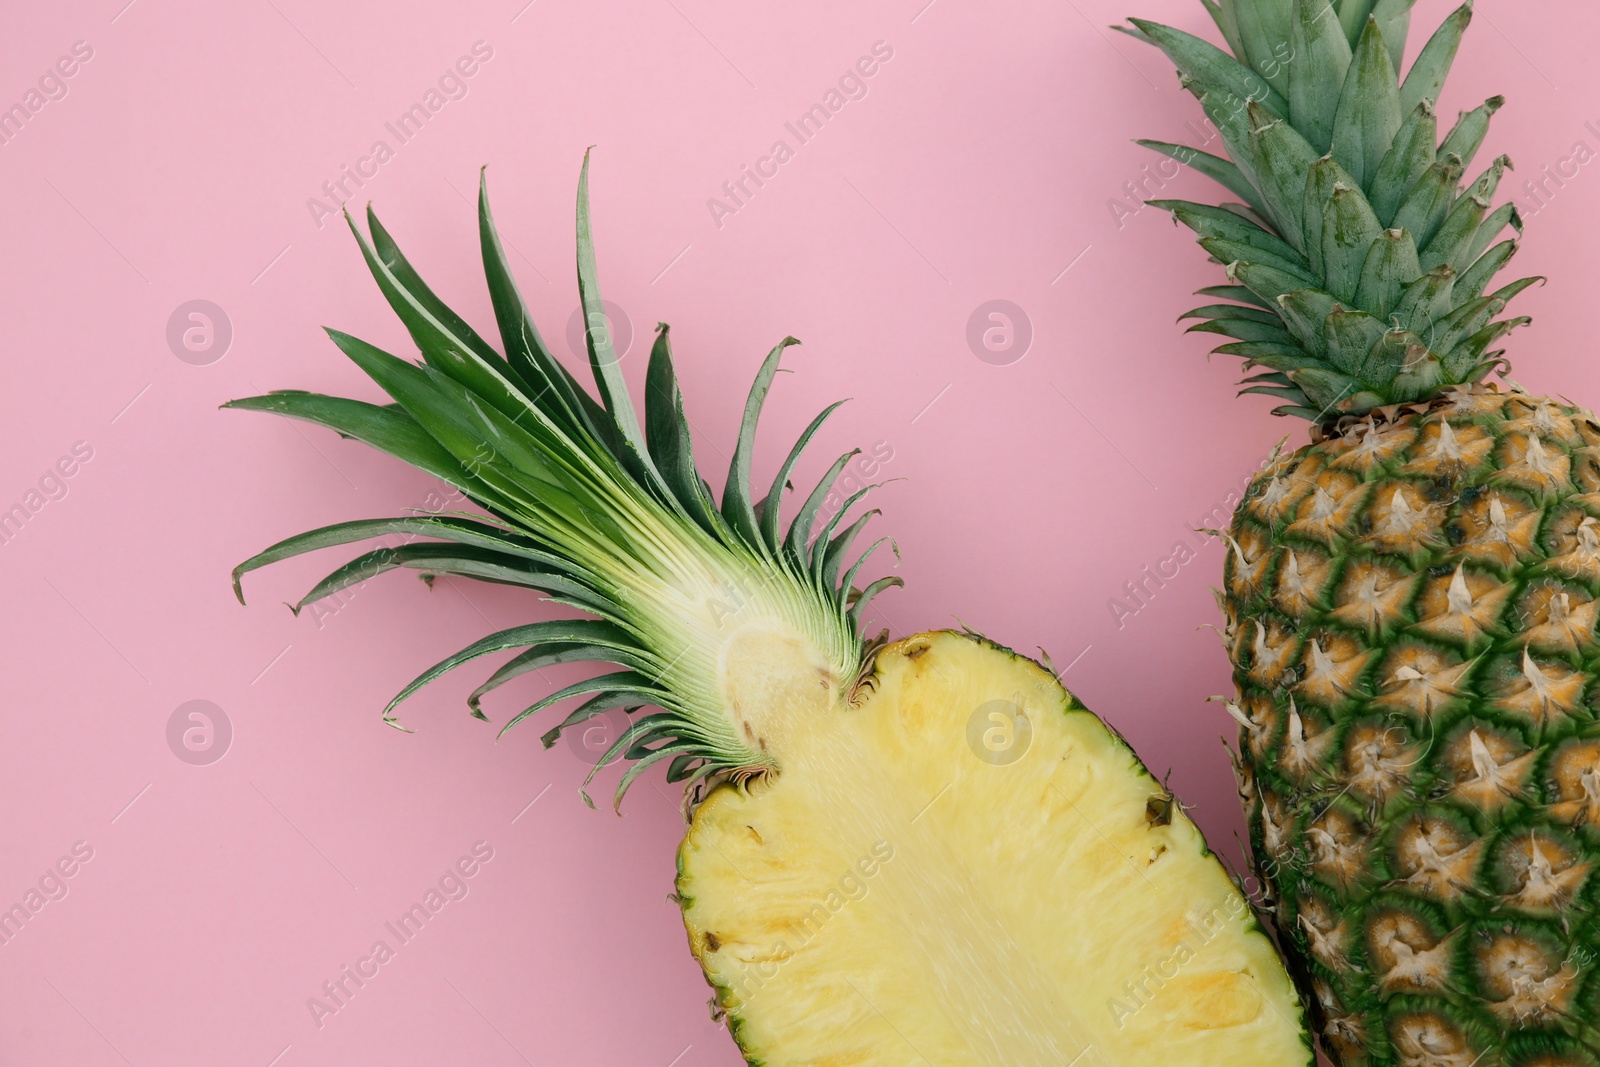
{"x": 1369, "y": 111}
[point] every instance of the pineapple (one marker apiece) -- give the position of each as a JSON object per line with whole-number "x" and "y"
{"x": 924, "y": 852}
{"x": 1410, "y": 599}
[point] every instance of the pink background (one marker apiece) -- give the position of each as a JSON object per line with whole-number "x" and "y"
{"x": 980, "y": 165}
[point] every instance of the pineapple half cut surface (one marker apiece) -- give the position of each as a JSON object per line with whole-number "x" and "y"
{"x": 918, "y": 853}
{"x": 894, "y": 897}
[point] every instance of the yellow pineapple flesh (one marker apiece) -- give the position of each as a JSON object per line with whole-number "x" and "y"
{"x": 892, "y": 897}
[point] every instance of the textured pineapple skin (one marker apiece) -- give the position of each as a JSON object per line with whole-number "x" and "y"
{"x": 1411, "y": 616}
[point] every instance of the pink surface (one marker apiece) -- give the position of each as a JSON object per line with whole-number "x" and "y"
{"x": 979, "y": 162}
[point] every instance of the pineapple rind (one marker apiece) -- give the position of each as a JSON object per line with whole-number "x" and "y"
{"x": 1411, "y": 614}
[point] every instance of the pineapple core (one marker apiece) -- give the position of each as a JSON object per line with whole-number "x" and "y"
{"x": 774, "y": 683}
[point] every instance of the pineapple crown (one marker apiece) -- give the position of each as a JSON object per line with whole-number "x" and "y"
{"x": 600, "y": 513}
{"x": 1359, "y": 262}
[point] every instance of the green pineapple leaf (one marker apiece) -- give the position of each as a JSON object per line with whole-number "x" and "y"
{"x": 1364, "y": 220}
{"x": 592, "y": 509}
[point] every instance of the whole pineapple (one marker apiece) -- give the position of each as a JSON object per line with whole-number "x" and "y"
{"x": 1410, "y": 599}
{"x": 924, "y": 852}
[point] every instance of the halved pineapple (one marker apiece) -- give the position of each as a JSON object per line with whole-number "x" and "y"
{"x": 928, "y": 855}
